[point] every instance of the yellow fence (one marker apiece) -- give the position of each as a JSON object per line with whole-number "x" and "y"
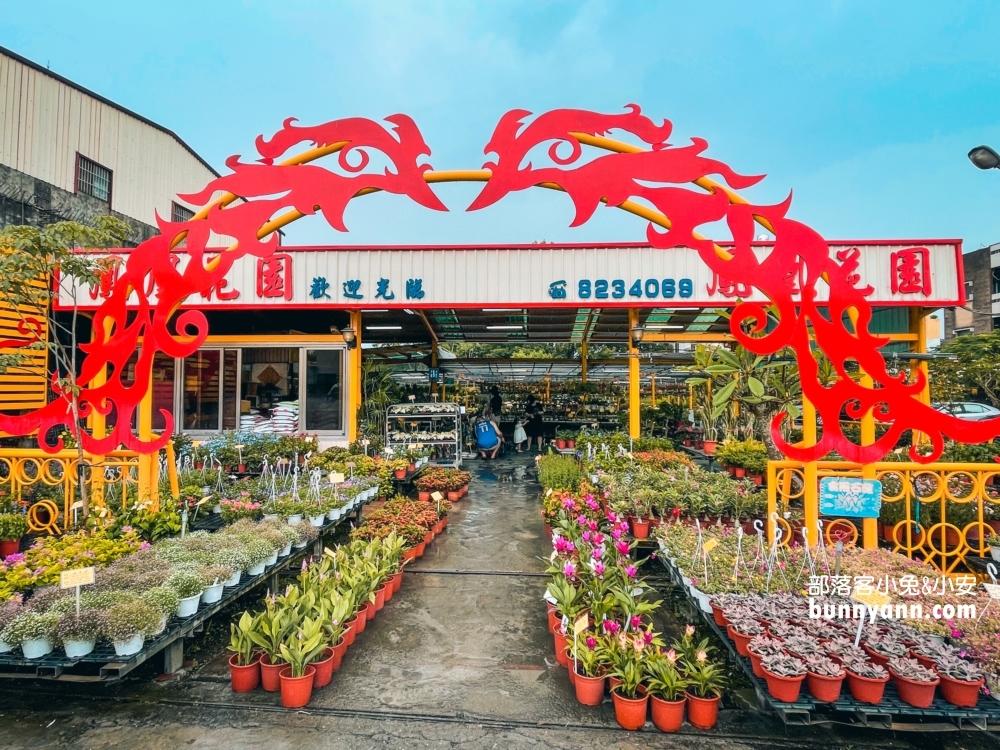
{"x": 941, "y": 513}
{"x": 49, "y": 483}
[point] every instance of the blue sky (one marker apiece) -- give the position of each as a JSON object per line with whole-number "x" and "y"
{"x": 865, "y": 110}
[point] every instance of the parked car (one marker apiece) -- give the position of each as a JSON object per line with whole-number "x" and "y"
{"x": 969, "y": 410}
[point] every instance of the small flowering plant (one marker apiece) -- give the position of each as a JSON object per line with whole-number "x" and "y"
{"x": 241, "y": 507}
{"x": 704, "y": 677}
{"x": 783, "y": 665}
{"x": 589, "y": 654}
{"x": 664, "y": 679}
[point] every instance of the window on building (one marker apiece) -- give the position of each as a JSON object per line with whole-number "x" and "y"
{"x": 323, "y": 380}
{"x": 968, "y": 291}
{"x": 996, "y": 323}
{"x": 179, "y": 213}
{"x": 996, "y": 280}
{"x": 963, "y": 331}
{"x": 93, "y": 179}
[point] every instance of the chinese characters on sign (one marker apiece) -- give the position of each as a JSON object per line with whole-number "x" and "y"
{"x": 274, "y": 276}
{"x": 850, "y": 496}
{"x": 910, "y": 274}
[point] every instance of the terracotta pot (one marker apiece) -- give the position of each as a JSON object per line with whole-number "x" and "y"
{"x": 824, "y": 689}
{"x": 667, "y": 715}
{"x": 428, "y": 537}
{"x": 444, "y": 522}
{"x": 388, "y": 590}
{"x": 924, "y": 661}
{"x": 360, "y": 621}
{"x": 784, "y": 689}
{"x": 561, "y": 444}
{"x": 554, "y": 618}
{"x": 396, "y": 579}
{"x": 244, "y": 679}
{"x": 340, "y": 651}
{"x": 269, "y": 674}
{"x": 917, "y": 694}
{"x": 9, "y": 547}
{"x": 739, "y": 472}
{"x": 571, "y": 444}
{"x": 324, "y": 668}
{"x": 421, "y": 548}
{"x": 424, "y": 497}
{"x": 370, "y": 610}
{"x": 866, "y": 689}
{"x": 630, "y": 713}
{"x": 875, "y": 656}
{"x": 296, "y": 692}
{"x": 412, "y": 468}
{"x": 454, "y": 497}
{"x": 755, "y": 659}
{"x": 589, "y": 690}
{"x": 571, "y": 672}
{"x": 410, "y": 554}
{"x": 758, "y": 479}
{"x": 687, "y": 443}
{"x": 640, "y": 529}
{"x": 959, "y": 692}
{"x": 349, "y": 632}
{"x": 561, "y": 643}
{"x": 710, "y": 446}
{"x": 241, "y": 469}
{"x": 380, "y": 597}
{"x": 613, "y": 682}
{"x": 400, "y": 473}
{"x": 702, "y": 712}
{"x": 739, "y": 639}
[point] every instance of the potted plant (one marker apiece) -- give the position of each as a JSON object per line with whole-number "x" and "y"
{"x": 802, "y": 646}
{"x": 884, "y": 646}
{"x": 188, "y": 586}
{"x": 741, "y": 632}
{"x": 301, "y": 646}
{"x": 33, "y": 632}
{"x": 630, "y": 702}
{"x": 824, "y": 678}
{"x": 79, "y": 635}
{"x": 165, "y": 600}
{"x": 960, "y": 681}
{"x": 705, "y": 683}
{"x": 666, "y": 686}
{"x": 993, "y": 540}
{"x": 915, "y": 683}
{"x": 784, "y": 675}
{"x": 268, "y": 635}
{"x": 866, "y": 681}
{"x": 929, "y": 652}
{"x": 128, "y": 624}
{"x": 758, "y": 648}
{"x": 244, "y": 664}
{"x": 588, "y": 666}
{"x": 12, "y": 527}
{"x": 214, "y": 577}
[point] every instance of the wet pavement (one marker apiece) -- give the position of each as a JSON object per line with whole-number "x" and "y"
{"x": 461, "y": 657}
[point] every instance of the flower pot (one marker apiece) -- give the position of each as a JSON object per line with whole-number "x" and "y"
{"x": 702, "y": 712}
{"x": 212, "y": 593}
{"x": 917, "y": 694}
{"x": 318, "y": 521}
{"x": 739, "y": 472}
{"x": 561, "y": 643}
{"x": 825, "y": 689}
{"x": 78, "y": 649}
{"x": 270, "y": 516}
{"x": 257, "y": 570}
{"x": 269, "y": 674}
{"x": 285, "y": 551}
{"x": 421, "y": 548}
{"x": 244, "y": 679}
{"x": 924, "y": 660}
{"x": 995, "y": 553}
{"x": 572, "y": 675}
{"x": 561, "y": 444}
{"x": 400, "y": 473}
{"x": 296, "y": 692}
{"x": 667, "y": 715}
{"x": 294, "y": 519}
{"x": 369, "y": 611}
{"x": 234, "y": 579}
{"x": 217, "y": 509}
{"x": 424, "y": 497}
{"x": 350, "y": 631}
{"x": 571, "y": 444}
{"x": 37, "y": 648}
{"x": 5, "y": 647}
{"x": 9, "y": 546}
{"x": 241, "y": 469}
{"x": 324, "y": 668}
{"x": 589, "y": 690}
{"x": 339, "y": 651}
{"x": 755, "y": 659}
{"x": 717, "y": 615}
{"x": 380, "y": 597}
{"x": 428, "y": 537}
{"x": 444, "y": 522}
{"x": 411, "y": 468}
{"x": 464, "y": 491}
{"x": 866, "y": 689}
{"x": 132, "y": 646}
{"x": 396, "y": 580}
{"x": 710, "y": 446}
{"x": 959, "y": 692}
{"x": 630, "y": 713}
{"x": 454, "y": 497}
{"x": 876, "y": 657}
{"x": 640, "y": 528}
{"x": 739, "y": 639}
{"x": 784, "y": 689}
{"x": 409, "y": 555}
{"x": 188, "y": 605}
{"x": 613, "y": 682}
{"x": 554, "y": 618}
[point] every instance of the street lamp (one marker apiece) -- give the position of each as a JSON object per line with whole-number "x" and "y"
{"x": 984, "y": 157}
{"x": 636, "y": 333}
{"x": 349, "y": 334}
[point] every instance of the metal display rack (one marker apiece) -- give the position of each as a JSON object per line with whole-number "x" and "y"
{"x": 437, "y": 426}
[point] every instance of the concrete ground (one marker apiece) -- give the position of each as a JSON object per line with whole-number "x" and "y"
{"x": 460, "y": 658}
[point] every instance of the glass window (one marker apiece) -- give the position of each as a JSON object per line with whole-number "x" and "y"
{"x": 323, "y": 397}
{"x": 269, "y": 393}
{"x": 93, "y": 179}
{"x": 996, "y": 281}
{"x": 201, "y": 390}
{"x": 163, "y": 389}
{"x": 230, "y": 398}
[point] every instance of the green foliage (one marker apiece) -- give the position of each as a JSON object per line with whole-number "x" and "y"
{"x": 13, "y": 525}
{"x": 977, "y": 366}
{"x": 240, "y": 642}
{"x": 748, "y": 454}
{"x": 559, "y": 472}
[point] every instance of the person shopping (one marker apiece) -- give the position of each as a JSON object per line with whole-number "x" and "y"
{"x": 520, "y": 436}
{"x": 488, "y": 435}
{"x": 533, "y": 427}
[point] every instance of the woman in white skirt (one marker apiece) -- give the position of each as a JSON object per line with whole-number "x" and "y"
{"x": 520, "y": 436}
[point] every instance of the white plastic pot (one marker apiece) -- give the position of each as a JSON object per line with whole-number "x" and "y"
{"x": 995, "y": 553}
{"x": 132, "y": 646}
{"x": 272, "y": 560}
{"x": 160, "y": 628}
{"x": 295, "y": 520}
{"x": 189, "y": 605}
{"x": 334, "y": 514}
{"x": 256, "y": 570}
{"x": 78, "y": 649}
{"x": 702, "y": 600}
{"x": 212, "y": 593}
{"x": 318, "y": 521}
{"x": 234, "y": 579}
{"x": 300, "y": 545}
{"x": 285, "y": 551}
{"x": 270, "y": 516}
{"x": 36, "y": 649}
{"x": 217, "y": 509}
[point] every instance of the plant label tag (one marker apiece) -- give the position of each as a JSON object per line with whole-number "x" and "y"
{"x": 69, "y": 579}
{"x": 871, "y": 598}
{"x": 203, "y": 501}
{"x": 548, "y": 492}
{"x": 330, "y": 552}
{"x": 437, "y": 496}
{"x": 336, "y": 477}
{"x": 710, "y": 545}
{"x": 581, "y": 624}
{"x": 77, "y": 505}
{"x": 993, "y": 589}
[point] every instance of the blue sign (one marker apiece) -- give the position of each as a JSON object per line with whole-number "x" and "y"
{"x": 433, "y": 374}
{"x": 850, "y": 496}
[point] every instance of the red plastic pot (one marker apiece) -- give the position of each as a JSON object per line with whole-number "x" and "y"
{"x": 739, "y": 472}
{"x": 717, "y": 615}
{"x": 755, "y": 659}
{"x": 668, "y": 716}
{"x": 959, "y": 692}
{"x": 571, "y": 444}
{"x": 924, "y": 660}
{"x": 561, "y": 444}
{"x": 640, "y": 529}
{"x": 444, "y": 520}
{"x": 572, "y": 674}
{"x": 428, "y": 537}
{"x": 296, "y": 692}
{"x": 244, "y": 679}
{"x": 739, "y": 639}
{"x": 340, "y": 651}
{"x": 613, "y": 682}
{"x": 825, "y": 689}
{"x": 553, "y": 616}
{"x": 454, "y": 497}
{"x": 361, "y": 621}
{"x": 424, "y": 497}
{"x": 350, "y": 631}
{"x": 878, "y": 658}
{"x": 380, "y": 597}
{"x": 370, "y": 610}
{"x": 396, "y": 579}
{"x": 866, "y": 689}
{"x": 702, "y": 712}
{"x": 400, "y": 473}
{"x": 917, "y": 694}
{"x": 421, "y": 548}
{"x": 589, "y": 690}
{"x": 409, "y": 555}
{"x": 710, "y": 446}
{"x": 784, "y": 689}
{"x": 630, "y": 713}
{"x": 388, "y": 590}
{"x": 241, "y": 469}
{"x": 269, "y": 672}
{"x": 411, "y": 468}
{"x": 561, "y": 643}
{"x": 324, "y": 668}
{"x": 9, "y": 547}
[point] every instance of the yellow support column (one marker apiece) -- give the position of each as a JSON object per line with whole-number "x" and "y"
{"x": 148, "y": 463}
{"x": 98, "y": 426}
{"x": 634, "y": 423}
{"x": 918, "y": 326}
{"x": 583, "y": 362}
{"x": 869, "y": 525}
{"x": 652, "y": 391}
{"x": 354, "y": 384}
{"x": 810, "y": 475}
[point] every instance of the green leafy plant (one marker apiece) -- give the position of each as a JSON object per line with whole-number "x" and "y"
{"x": 303, "y": 645}
{"x": 241, "y": 642}
{"x": 13, "y": 525}
{"x": 663, "y": 679}
{"x": 705, "y": 678}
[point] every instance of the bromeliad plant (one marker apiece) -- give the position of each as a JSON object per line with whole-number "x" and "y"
{"x": 303, "y": 645}
{"x": 663, "y": 678}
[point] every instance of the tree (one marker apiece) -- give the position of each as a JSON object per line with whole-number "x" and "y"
{"x": 977, "y": 365}
{"x": 38, "y": 265}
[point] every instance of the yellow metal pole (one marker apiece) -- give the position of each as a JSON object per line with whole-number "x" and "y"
{"x": 918, "y": 326}
{"x": 354, "y": 385}
{"x": 810, "y": 474}
{"x": 634, "y": 423}
{"x": 148, "y": 463}
{"x": 583, "y": 362}
{"x": 652, "y": 391}
{"x": 175, "y": 489}
{"x": 869, "y": 536}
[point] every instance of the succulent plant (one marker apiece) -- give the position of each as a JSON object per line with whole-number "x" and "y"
{"x": 764, "y": 646}
{"x": 911, "y": 669}
{"x": 804, "y": 645}
{"x": 930, "y": 649}
{"x": 823, "y": 666}
{"x": 784, "y": 629}
{"x": 784, "y": 665}
{"x": 738, "y": 612}
{"x": 863, "y": 668}
{"x": 886, "y": 645}
{"x": 959, "y": 669}
{"x": 747, "y": 627}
